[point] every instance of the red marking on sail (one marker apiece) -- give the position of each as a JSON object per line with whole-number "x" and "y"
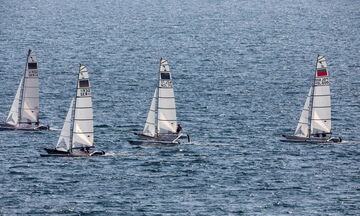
{"x": 321, "y": 73}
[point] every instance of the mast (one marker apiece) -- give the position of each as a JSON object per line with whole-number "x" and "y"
{"x": 157, "y": 103}
{"x": 73, "y": 112}
{"x": 312, "y": 99}
{"x": 22, "y": 88}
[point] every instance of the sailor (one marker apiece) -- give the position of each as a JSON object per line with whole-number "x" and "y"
{"x": 179, "y": 128}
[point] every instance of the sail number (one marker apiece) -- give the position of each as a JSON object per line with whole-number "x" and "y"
{"x": 33, "y": 73}
{"x": 322, "y": 81}
{"x": 85, "y": 92}
{"x": 166, "y": 84}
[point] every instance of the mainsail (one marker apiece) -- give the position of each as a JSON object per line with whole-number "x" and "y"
{"x": 315, "y": 117}
{"x": 83, "y": 130}
{"x": 321, "y": 105}
{"x": 25, "y": 108}
{"x": 149, "y": 128}
{"x": 63, "y": 143}
{"x": 29, "y": 109}
{"x": 166, "y": 115}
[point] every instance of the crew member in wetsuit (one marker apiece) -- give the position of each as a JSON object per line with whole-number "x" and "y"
{"x": 179, "y": 128}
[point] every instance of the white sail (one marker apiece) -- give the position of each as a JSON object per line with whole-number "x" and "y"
{"x": 321, "y": 105}
{"x": 13, "y": 117}
{"x": 83, "y": 130}
{"x": 166, "y": 115}
{"x": 29, "y": 108}
{"x": 63, "y": 143}
{"x": 149, "y": 128}
{"x": 302, "y": 129}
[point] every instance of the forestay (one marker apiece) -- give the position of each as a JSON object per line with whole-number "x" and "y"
{"x": 321, "y": 105}
{"x": 166, "y": 115}
{"x": 63, "y": 143}
{"x": 83, "y": 130}
{"x": 149, "y": 128}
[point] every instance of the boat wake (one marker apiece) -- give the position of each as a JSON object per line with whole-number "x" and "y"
{"x": 54, "y": 129}
{"x": 114, "y": 154}
{"x": 207, "y": 144}
{"x": 352, "y": 142}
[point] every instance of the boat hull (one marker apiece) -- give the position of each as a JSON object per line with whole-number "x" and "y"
{"x": 291, "y": 138}
{"x": 74, "y": 153}
{"x": 153, "y": 142}
{"x": 164, "y": 137}
{"x": 4, "y": 126}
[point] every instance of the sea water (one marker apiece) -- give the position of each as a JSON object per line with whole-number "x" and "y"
{"x": 241, "y": 70}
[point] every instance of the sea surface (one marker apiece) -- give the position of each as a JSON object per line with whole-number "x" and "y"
{"x": 241, "y": 71}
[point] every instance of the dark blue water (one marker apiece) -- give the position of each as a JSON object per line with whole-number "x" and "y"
{"x": 241, "y": 72}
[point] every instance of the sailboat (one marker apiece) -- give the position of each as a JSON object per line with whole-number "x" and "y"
{"x": 77, "y": 134}
{"x": 24, "y": 112}
{"x": 161, "y": 124}
{"x": 315, "y": 120}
